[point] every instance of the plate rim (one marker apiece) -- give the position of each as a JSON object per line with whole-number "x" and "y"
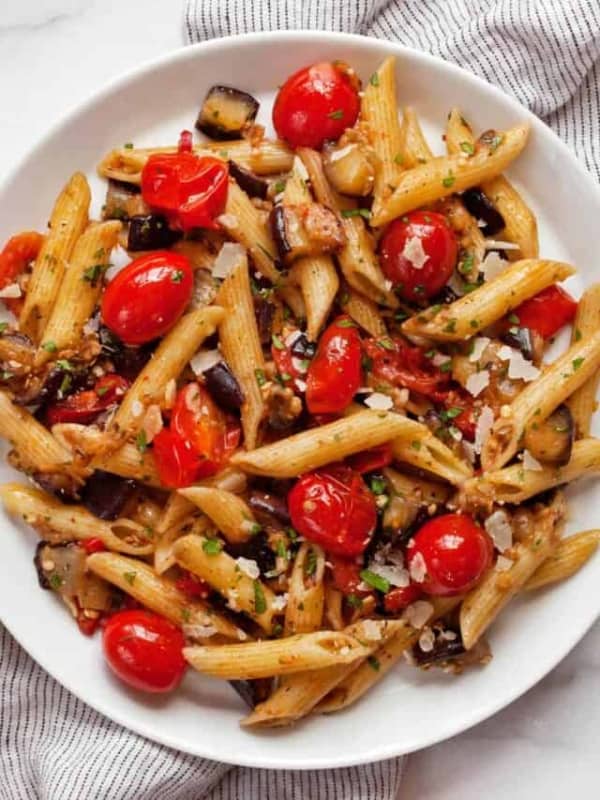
{"x": 577, "y": 632}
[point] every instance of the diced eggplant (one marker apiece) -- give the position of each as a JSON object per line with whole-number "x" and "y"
{"x": 349, "y": 170}
{"x": 150, "y": 232}
{"x": 256, "y": 549}
{"x": 520, "y": 338}
{"x": 308, "y": 230}
{"x": 253, "y": 692}
{"x": 105, "y": 494}
{"x": 264, "y": 311}
{"x": 226, "y": 112}
{"x": 303, "y": 348}
{"x": 481, "y": 208}
{"x": 252, "y": 184}
{"x": 128, "y": 361}
{"x": 118, "y": 196}
{"x": 63, "y": 487}
{"x": 62, "y": 568}
{"x": 443, "y": 650}
{"x": 62, "y": 382}
{"x": 223, "y": 387}
{"x": 551, "y": 441}
{"x": 271, "y": 504}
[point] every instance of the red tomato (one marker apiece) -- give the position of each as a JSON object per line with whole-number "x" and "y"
{"x": 147, "y": 298}
{"x": 14, "y": 257}
{"x": 87, "y": 626}
{"x": 198, "y": 442}
{"x": 195, "y": 588}
{"x": 83, "y": 407}
{"x": 430, "y": 233}
{"x": 316, "y": 104}
{"x": 333, "y": 508}
{"x": 334, "y": 374}
{"x": 186, "y": 142}
{"x": 144, "y": 650}
{"x": 284, "y": 361}
{"x": 453, "y": 399}
{"x": 190, "y": 190}
{"x": 94, "y": 545}
{"x": 370, "y": 460}
{"x": 455, "y": 552}
{"x": 547, "y": 312}
{"x": 401, "y": 596}
{"x": 400, "y": 364}
{"x": 346, "y": 575}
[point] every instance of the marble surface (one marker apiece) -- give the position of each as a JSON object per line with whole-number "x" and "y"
{"x": 543, "y": 746}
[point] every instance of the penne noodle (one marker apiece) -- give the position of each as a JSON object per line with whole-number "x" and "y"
{"x": 482, "y": 604}
{"x": 57, "y": 522}
{"x": 568, "y": 558}
{"x": 79, "y": 292}
{"x": 230, "y": 514}
{"x": 164, "y": 556}
{"x": 67, "y": 222}
{"x": 241, "y": 348}
{"x": 414, "y": 149}
{"x": 363, "y": 311}
{"x": 487, "y": 304}
{"x": 265, "y": 158}
{"x": 423, "y": 449}
{"x": 224, "y": 574}
{"x": 515, "y": 484}
{"x": 36, "y": 448}
{"x": 459, "y": 134}
{"x": 445, "y": 175}
{"x": 140, "y": 581}
{"x": 334, "y": 615}
{"x": 166, "y": 364}
{"x": 315, "y": 447}
{"x": 582, "y": 403}
{"x": 306, "y": 592}
{"x": 379, "y": 112}
{"x": 292, "y": 654}
{"x": 408, "y": 496}
{"x": 539, "y": 399}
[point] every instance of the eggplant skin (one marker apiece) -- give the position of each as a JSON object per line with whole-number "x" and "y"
{"x": 226, "y": 112}
{"x": 252, "y": 184}
{"x": 551, "y": 441}
{"x": 105, "y": 494}
{"x": 481, "y": 207}
{"x": 150, "y": 232}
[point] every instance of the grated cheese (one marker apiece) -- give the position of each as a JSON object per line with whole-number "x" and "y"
{"x": 279, "y": 602}
{"x": 519, "y": 368}
{"x": 492, "y": 266}
{"x": 479, "y": 345}
{"x": 483, "y": 427}
{"x": 477, "y": 382}
{"x": 500, "y": 530}
{"x": 418, "y": 568}
{"x": 12, "y": 290}
{"x": 395, "y": 575}
{"x": 427, "y": 640}
{"x": 248, "y": 566}
{"x": 503, "y": 564}
{"x": 229, "y": 256}
{"x": 371, "y": 630}
{"x": 413, "y": 252}
{"x": 203, "y": 360}
{"x": 379, "y": 401}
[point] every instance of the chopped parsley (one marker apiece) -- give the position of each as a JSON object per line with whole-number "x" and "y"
{"x": 212, "y": 547}
{"x": 416, "y": 445}
{"x": 141, "y": 441}
{"x": 64, "y": 386}
{"x": 50, "y": 346}
{"x": 356, "y": 212}
{"x": 102, "y": 390}
{"x": 577, "y": 362}
{"x": 3, "y": 326}
{"x": 310, "y": 565}
{"x": 466, "y": 264}
{"x": 513, "y": 319}
{"x": 446, "y": 366}
{"x": 378, "y": 485}
{"x": 177, "y": 276}
{"x": 292, "y": 534}
{"x": 55, "y": 581}
{"x": 65, "y": 365}
{"x": 373, "y": 663}
{"x": 279, "y": 187}
{"x": 260, "y": 377}
{"x": 337, "y": 114}
{"x": 130, "y": 577}
{"x": 374, "y": 580}
{"x": 91, "y": 274}
{"x": 577, "y": 335}
{"x": 277, "y": 342}
{"x": 281, "y": 549}
{"x": 450, "y": 326}
{"x": 374, "y": 79}
{"x": 186, "y": 614}
{"x": 467, "y": 147}
{"x": 496, "y": 142}
{"x": 255, "y": 528}
{"x": 398, "y": 158}
{"x": 448, "y": 181}
{"x": 128, "y": 145}
{"x": 346, "y": 323}
{"x": 277, "y": 629}
{"x": 260, "y": 604}
{"x": 387, "y": 344}
{"x": 451, "y": 413}
{"x": 354, "y": 601}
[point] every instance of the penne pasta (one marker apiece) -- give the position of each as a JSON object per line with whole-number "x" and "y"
{"x": 363, "y": 311}
{"x": 68, "y": 220}
{"x": 423, "y": 449}
{"x": 567, "y": 559}
{"x": 414, "y": 149}
{"x": 487, "y": 304}
{"x": 445, "y": 175}
{"x": 306, "y": 592}
{"x": 159, "y": 594}
{"x": 164, "y": 557}
{"x": 539, "y": 399}
{"x": 240, "y": 345}
{"x": 80, "y": 289}
{"x": 582, "y": 403}
{"x": 230, "y": 514}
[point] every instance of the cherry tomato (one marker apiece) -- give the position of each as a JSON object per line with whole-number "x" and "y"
{"x": 190, "y": 190}
{"x": 547, "y": 312}
{"x": 195, "y": 588}
{"x": 86, "y": 625}
{"x": 287, "y": 364}
{"x": 418, "y": 254}
{"x": 147, "y": 298}
{"x": 345, "y": 574}
{"x": 14, "y": 257}
{"x": 185, "y": 143}
{"x": 333, "y": 508}
{"x": 400, "y": 364}
{"x": 176, "y": 460}
{"x": 83, "y": 407}
{"x": 334, "y": 374}
{"x": 144, "y": 650}
{"x": 454, "y": 551}
{"x": 454, "y": 399}
{"x": 370, "y": 460}
{"x": 316, "y": 104}
{"x": 401, "y": 596}
{"x": 94, "y": 545}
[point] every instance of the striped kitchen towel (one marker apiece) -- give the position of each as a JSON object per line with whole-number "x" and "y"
{"x": 544, "y": 52}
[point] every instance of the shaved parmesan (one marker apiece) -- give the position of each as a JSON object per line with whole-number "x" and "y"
{"x": 292, "y": 337}
{"x": 492, "y": 266}
{"x": 199, "y": 631}
{"x": 503, "y": 564}
{"x": 395, "y": 575}
{"x": 427, "y": 640}
{"x": 12, "y": 290}
{"x": 418, "y": 613}
{"x": 479, "y": 345}
{"x": 531, "y": 463}
{"x": 519, "y": 368}
{"x": 248, "y": 566}
{"x": 379, "y": 401}
{"x": 153, "y": 422}
{"x": 204, "y": 359}
{"x": 388, "y": 285}
{"x": 496, "y": 244}
{"x": 418, "y": 568}
{"x": 279, "y": 602}
{"x": 300, "y": 385}
{"x": 229, "y": 257}
{"x": 336, "y": 155}
{"x": 439, "y": 359}
{"x": 119, "y": 259}
{"x": 483, "y": 427}
{"x": 477, "y": 382}
{"x": 500, "y": 530}
{"x": 371, "y": 630}
{"x": 413, "y": 252}
{"x": 300, "y": 169}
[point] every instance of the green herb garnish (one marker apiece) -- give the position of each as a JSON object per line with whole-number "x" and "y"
{"x": 374, "y": 580}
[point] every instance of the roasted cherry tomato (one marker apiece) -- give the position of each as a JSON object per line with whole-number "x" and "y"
{"x": 334, "y": 509}
{"x": 94, "y": 545}
{"x": 334, "y": 374}
{"x": 345, "y": 573}
{"x": 453, "y": 551}
{"x": 289, "y": 367}
{"x": 455, "y": 400}
{"x": 198, "y": 442}
{"x": 83, "y": 407}
{"x": 547, "y": 312}
{"x": 400, "y": 364}
{"x": 190, "y": 190}
{"x": 316, "y": 104}
{"x": 370, "y": 460}
{"x": 418, "y": 254}
{"x": 195, "y": 588}
{"x": 16, "y": 254}
{"x": 147, "y": 298}
{"x": 401, "y": 596}
{"x": 144, "y": 650}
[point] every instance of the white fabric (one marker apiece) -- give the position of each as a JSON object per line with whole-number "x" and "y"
{"x": 544, "y": 52}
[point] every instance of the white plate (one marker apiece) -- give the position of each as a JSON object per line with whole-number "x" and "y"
{"x": 410, "y": 709}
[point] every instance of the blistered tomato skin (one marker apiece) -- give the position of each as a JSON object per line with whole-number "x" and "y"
{"x": 453, "y": 552}
{"x": 315, "y": 105}
{"x": 333, "y": 508}
{"x": 334, "y": 374}
{"x": 144, "y": 650}
{"x": 418, "y": 254}
{"x": 147, "y": 298}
